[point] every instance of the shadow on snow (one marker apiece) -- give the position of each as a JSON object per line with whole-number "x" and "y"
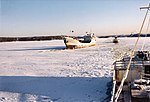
{"x": 56, "y": 88}
{"x": 39, "y": 48}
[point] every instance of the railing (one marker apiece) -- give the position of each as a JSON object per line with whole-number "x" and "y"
{"x": 124, "y": 64}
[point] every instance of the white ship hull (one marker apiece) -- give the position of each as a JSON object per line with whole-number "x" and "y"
{"x": 72, "y": 43}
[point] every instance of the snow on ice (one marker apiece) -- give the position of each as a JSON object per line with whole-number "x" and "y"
{"x": 46, "y": 71}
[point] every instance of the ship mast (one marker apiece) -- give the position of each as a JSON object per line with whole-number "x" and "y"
{"x": 131, "y": 56}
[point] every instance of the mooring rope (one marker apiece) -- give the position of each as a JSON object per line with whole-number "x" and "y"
{"x": 131, "y": 56}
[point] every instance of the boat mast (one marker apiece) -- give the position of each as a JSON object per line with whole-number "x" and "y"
{"x": 146, "y": 28}
{"x": 131, "y": 56}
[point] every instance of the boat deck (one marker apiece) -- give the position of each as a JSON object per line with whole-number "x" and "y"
{"x": 140, "y": 70}
{"x": 125, "y": 95}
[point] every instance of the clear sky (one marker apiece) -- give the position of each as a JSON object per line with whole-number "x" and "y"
{"x": 57, "y": 17}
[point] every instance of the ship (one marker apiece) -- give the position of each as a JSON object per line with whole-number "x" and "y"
{"x": 131, "y": 75}
{"x": 80, "y": 42}
{"x": 136, "y": 87}
{"x": 115, "y": 40}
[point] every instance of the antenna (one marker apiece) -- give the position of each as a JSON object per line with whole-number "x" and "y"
{"x": 148, "y": 7}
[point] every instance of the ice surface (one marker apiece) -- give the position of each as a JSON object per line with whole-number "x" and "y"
{"x": 46, "y": 71}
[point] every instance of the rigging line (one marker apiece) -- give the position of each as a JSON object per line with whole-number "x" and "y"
{"x": 131, "y": 56}
{"x": 146, "y": 34}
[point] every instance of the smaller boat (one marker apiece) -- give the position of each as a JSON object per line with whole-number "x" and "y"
{"x": 115, "y": 40}
{"x": 80, "y": 42}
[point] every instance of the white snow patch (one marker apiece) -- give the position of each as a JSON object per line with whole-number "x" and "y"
{"x": 46, "y": 71}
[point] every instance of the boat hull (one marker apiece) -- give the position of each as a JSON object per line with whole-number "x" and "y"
{"x": 115, "y": 41}
{"x": 72, "y": 43}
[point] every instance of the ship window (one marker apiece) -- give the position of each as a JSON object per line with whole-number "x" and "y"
{"x": 147, "y": 70}
{"x": 142, "y": 55}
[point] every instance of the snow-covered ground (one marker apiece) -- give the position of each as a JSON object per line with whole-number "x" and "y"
{"x": 44, "y": 71}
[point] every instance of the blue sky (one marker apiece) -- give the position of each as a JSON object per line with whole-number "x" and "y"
{"x": 57, "y": 17}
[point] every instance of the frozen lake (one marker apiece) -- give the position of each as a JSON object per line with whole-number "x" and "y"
{"x": 46, "y": 71}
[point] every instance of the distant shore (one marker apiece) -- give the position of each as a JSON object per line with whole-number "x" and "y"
{"x": 59, "y": 37}
{"x": 126, "y": 35}
{"x": 35, "y": 38}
